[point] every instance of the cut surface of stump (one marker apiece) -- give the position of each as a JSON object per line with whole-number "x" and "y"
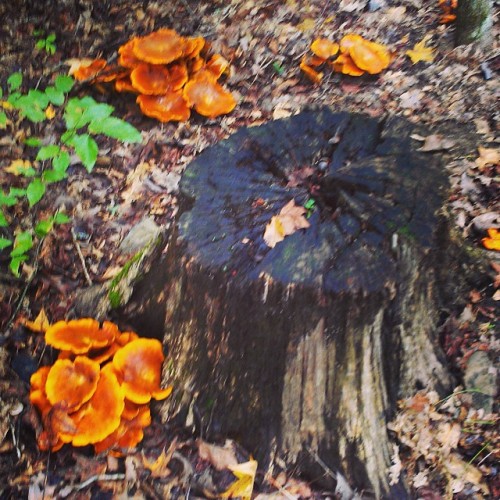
{"x": 301, "y": 351}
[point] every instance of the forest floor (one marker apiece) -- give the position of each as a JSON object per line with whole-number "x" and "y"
{"x": 452, "y": 448}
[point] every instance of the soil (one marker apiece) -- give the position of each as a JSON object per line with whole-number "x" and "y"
{"x": 265, "y": 42}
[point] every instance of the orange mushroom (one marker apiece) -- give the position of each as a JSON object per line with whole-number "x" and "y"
{"x": 170, "y": 106}
{"x": 138, "y": 365}
{"x": 349, "y": 41}
{"x": 196, "y": 64}
{"x": 193, "y": 46}
{"x": 160, "y": 47}
{"x": 217, "y": 65}
{"x": 101, "y": 415}
{"x": 81, "y": 335}
{"x": 150, "y": 79}
{"x": 370, "y": 56}
{"x": 126, "y": 57}
{"x": 38, "y": 396}
{"x": 344, "y": 64}
{"x": 208, "y": 97}
{"x": 72, "y": 382}
{"x": 324, "y": 48}
{"x": 178, "y": 75}
{"x": 87, "y": 69}
{"x": 124, "y": 85}
{"x": 311, "y": 73}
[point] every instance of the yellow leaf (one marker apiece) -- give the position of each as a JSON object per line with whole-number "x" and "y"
{"x": 50, "y": 112}
{"x": 6, "y": 105}
{"x": 243, "y": 486}
{"x": 40, "y": 324}
{"x": 421, "y": 52}
{"x": 307, "y": 24}
{"x": 18, "y": 167}
{"x": 274, "y": 232}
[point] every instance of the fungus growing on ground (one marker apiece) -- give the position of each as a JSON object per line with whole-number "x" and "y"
{"x": 160, "y": 64}
{"x": 357, "y": 56}
{"x": 98, "y": 390}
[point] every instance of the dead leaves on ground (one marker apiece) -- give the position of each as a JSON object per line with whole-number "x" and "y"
{"x": 290, "y": 219}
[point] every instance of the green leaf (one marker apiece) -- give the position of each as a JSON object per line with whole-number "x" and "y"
{"x": 51, "y": 37}
{"x": 4, "y": 243}
{"x": 64, "y": 83}
{"x": 115, "y": 128}
{"x": 86, "y": 148}
{"x": 50, "y": 176}
{"x": 61, "y": 161}
{"x": 13, "y": 98}
{"x": 1, "y": 92}
{"x": 40, "y": 44}
{"x": 38, "y": 32}
{"x": 38, "y": 98}
{"x": 17, "y": 192}
{"x": 44, "y": 227}
{"x": 23, "y": 242}
{"x": 67, "y": 136}
{"x": 35, "y": 191}
{"x": 34, "y": 115}
{"x": 14, "y": 81}
{"x": 15, "y": 263}
{"x": 55, "y": 96}
{"x": 33, "y": 141}
{"x": 51, "y": 49}
{"x": 3, "y": 119}
{"x": 3, "y": 220}
{"x": 48, "y": 152}
{"x": 7, "y": 200}
{"x": 278, "y": 68}
{"x": 61, "y": 218}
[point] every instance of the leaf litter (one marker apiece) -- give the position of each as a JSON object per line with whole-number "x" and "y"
{"x": 264, "y": 41}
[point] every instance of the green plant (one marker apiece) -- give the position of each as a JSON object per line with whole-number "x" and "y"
{"x": 46, "y": 43}
{"x": 82, "y": 119}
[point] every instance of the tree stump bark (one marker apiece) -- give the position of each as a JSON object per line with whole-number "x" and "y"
{"x": 301, "y": 351}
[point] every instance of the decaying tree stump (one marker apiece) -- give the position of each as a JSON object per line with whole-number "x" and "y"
{"x": 301, "y": 351}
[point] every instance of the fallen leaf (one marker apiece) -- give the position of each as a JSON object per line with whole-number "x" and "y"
{"x": 290, "y": 219}
{"x": 40, "y": 324}
{"x": 221, "y": 457}
{"x": 50, "y": 112}
{"x": 421, "y": 52}
{"x": 243, "y": 486}
{"x": 307, "y": 24}
{"x": 19, "y": 167}
{"x": 436, "y": 142}
{"x": 487, "y": 156}
{"x": 274, "y": 232}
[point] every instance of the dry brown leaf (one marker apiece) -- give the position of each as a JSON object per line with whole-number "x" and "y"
{"x": 221, "y": 457}
{"x": 487, "y": 156}
{"x": 436, "y": 142}
{"x": 274, "y": 232}
{"x": 290, "y": 219}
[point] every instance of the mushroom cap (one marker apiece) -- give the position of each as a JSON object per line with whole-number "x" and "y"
{"x": 193, "y": 46}
{"x": 88, "y": 69}
{"x": 72, "y": 382}
{"x": 370, "y": 56}
{"x": 150, "y": 79}
{"x": 178, "y": 75}
{"x": 324, "y": 48}
{"x": 81, "y": 335}
{"x": 217, "y": 65}
{"x": 344, "y": 64}
{"x": 126, "y": 57}
{"x": 311, "y": 73}
{"x": 196, "y": 64}
{"x": 38, "y": 396}
{"x": 208, "y": 97}
{"x": 170, "y": 106}
{"x": 138, "y": 365}
{"x": 349, "y": 41}
{"x": 125, "y": 85}
{"x": 160, "y": 47}
{"x": 101, "y": 415}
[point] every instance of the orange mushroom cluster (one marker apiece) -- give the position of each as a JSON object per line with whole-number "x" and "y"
{"x": 170, "y": 73}
{"x": 99, "y": 389}
{"x": 353, "y": 55}
{"x": 448, "y": 9}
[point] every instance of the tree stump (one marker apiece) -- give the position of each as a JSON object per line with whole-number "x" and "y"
{"x": 301, "y": 351}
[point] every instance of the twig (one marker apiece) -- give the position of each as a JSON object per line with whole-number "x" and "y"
{"x": 82, "y": 259}
{"x": 92, "y": 479}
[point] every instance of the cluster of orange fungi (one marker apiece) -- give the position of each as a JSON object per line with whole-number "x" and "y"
{"x": 98, "y": 390}
{"x": 353, "y": 56}
{"x": 170, "y": 73}
{"x": 448, "y": 8}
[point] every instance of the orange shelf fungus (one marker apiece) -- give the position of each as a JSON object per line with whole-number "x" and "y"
{"x": 78, "y": 336}
{"x": 344, "y": 64}
{"x": 138, "y": 365}
{"x": 193, "y": 46}
{"x": 370, "y": 56}
{"x": 208, "y": 97}
{"x": 160, "y": 47}
{"x": 324, "y": 48}
{"x": 168, "y": 107}
{"x": 217, "y": 65}
{"x": 72, "y": 382}
{"x": 100, "y": 395}
{"x": 311, "y": 73}
{"x": 125, "y": 85}
{"x": 88, "y": 69}
{"x": 126, "y": 57}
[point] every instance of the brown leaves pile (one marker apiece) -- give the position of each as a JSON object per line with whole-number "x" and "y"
{"x": 290, "y": 219}
{"x": 99, "y": 389}
{"x": 170, "y": 73}
{"x": 354, "y": 56}
{"x": 431, "y": 432}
